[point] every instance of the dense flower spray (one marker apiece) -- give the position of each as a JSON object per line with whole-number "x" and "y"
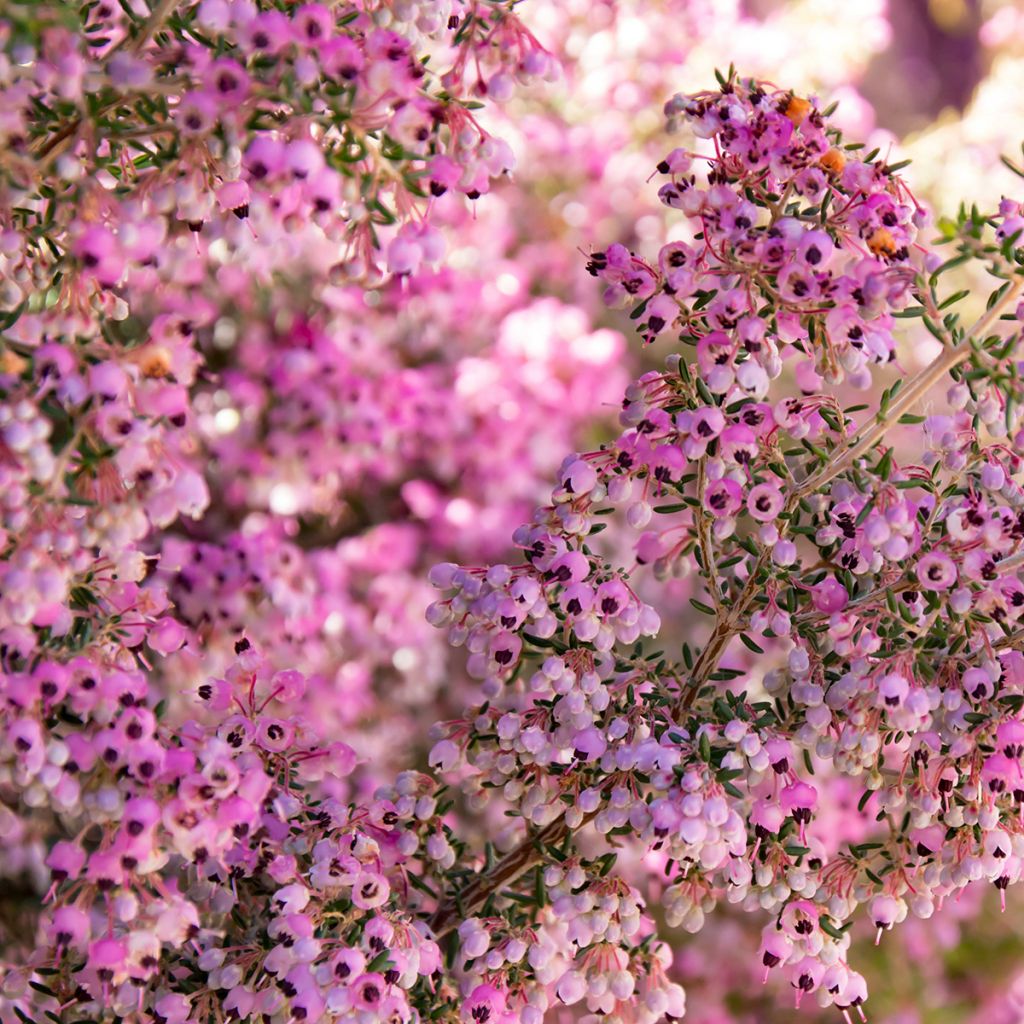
{"x": 143, "y": 158}
{"x": 203, "y": 852}
{"x": 858, "y": 572}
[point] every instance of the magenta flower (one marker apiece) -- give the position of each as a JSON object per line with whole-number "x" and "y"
{"x": 312, "y": 25}
{"x": 99, "y": 251}
{"x": 368, "y": 990}
{"x": 369, "y": 890}
{"x": 108, "y": 958}
{"x": 228, "y": 81}
{"x": 69, "y": 927}
{"x": 589, "y": 744}
{"x": 209, "y": 727}
{"x": 765, "y": 502}
{"x": 830, "y": 596}
{"x": 723, "y": 497}
{"x": 65, "y": 861}
{"x": 485, "y": 1005}
{"x": 936, "y": 571}
{"x": 196, "y": 114}
{"x": 505, "y": 649}
{"x": 767, "y": 816}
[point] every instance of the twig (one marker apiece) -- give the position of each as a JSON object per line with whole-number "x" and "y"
{"x": 527, "y": 855}
{"x": 56, "y": 144}
{"x": 918, "y": 387}
{"x": 153, "y": 23}
{"x": 530, "y": 852}
{"x": 707, "y": 553}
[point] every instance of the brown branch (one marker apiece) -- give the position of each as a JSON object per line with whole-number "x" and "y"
{"x": 152, "y": 25}
{"x": 1013, "y": 641}
{"x": 707, "y": 551}
{"x": 527, "y": 855}
{"x": 919, "y": 386}
{"x": 59, "y": 142}
{"x": 530, "y": 853}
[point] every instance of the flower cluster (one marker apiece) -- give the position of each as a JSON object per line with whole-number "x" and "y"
{"x": 189, "y": 105}
{"x": 417, "y": 417}
{"x": 210, "y": 863}
{"x": 877, "y": 589}
{"x": 158, "y": 170}
{"x": 326, "y": 577}
{"x": 220, "y": 419}
{"x": 108, "y": 247}
{"x": 215, "y": 867}
{"x": 189, "y": 850}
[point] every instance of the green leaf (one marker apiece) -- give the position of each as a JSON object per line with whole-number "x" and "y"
{"x": 750, "y": 645}
{"x": 955, "y": 297}
{"x": 956, "y": 261}
{"x": 381, "y": 962}
{"x": 10, "y": 318}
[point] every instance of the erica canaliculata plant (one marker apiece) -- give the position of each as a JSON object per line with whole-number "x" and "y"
{"x": 853, "y": 529}
{"x": 860, "y": 601}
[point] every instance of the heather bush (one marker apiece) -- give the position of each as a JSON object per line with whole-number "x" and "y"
{"x": 757, "y": 649}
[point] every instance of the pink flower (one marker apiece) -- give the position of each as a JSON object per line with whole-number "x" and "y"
{"x": 572, "y": 567}
{"x": 65, "y": 861}
{"x": 723, "y": 497}
{"x": 579, "y": 477}
{"x": 370, "y": 889}
{"x": 936, "y": 571}
{"x": 589, "y": 744}
{"x": 100, "y": 254}
{"x": 799, "y": 800}
{"x": 108, "y": 958}
{"x": 227, "y": 81}
{"x": 368, "y": 990}
{"x": 767, "y": 816}
{"x": 69, "y": 927}
{"x": 312, "y": 25}
{"x": 830, "y": 596}
{"x": 764, "y": 502}
{"x": 485, "y": 1005}
{"x": 274, "y": 734}
{"x": 233, "y": 196}
{"x": 196, "y": 114}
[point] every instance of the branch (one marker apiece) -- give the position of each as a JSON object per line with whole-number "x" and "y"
{"x": 527, "y": 855}
{"x": 1012, "y": 641}
{"x": 153, "y": 24}
{"x": 707, "y": 552}
{"x": 530, "y": 852}
{"x": 58, "y": 143}
{"x": 867, "y": 437}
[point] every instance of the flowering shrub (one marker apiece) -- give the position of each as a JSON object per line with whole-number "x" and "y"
{"x": 136, "y": 332}
{"x": 199, "y": 207}
{"x": 178, "y": 166}
{"x": 876, "y": 590}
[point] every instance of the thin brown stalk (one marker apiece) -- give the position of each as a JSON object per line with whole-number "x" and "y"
{"x": 729, "y": 623}
{"x": 908, "y": 397}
